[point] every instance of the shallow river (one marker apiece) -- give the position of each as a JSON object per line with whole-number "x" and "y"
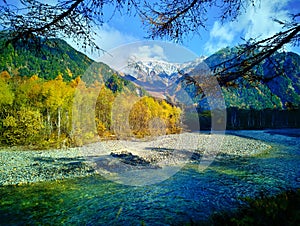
{"x": 188, "y": 196}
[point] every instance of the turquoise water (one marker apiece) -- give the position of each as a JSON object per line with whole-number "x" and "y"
{"x": 94, "y": 200}
{"x": 188, "y": 196}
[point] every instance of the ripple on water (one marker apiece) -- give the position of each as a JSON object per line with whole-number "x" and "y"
{"x": 189, "y": 195}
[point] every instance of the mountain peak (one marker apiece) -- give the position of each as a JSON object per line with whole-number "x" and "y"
{"x": 147, "y": 67}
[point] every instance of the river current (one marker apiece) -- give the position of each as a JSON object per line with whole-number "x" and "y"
{"x": 189, "y": 196}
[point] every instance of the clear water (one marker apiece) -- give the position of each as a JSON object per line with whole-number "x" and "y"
{"x": 94, "y": 200}
{"x": 189, "y": 196}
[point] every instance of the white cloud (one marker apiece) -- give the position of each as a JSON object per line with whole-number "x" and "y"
{"x": 118, "y": 58}
{"x": 107, "y": 38}
{"x": 150, "y": 52}
{"x": 221, "y": 32}
{"x": 256, "y": 22}
{"x": 260, "y": 20}
{"x": 110, "y": 38}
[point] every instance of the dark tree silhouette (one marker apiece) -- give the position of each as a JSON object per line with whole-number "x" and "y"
{"x": 175, "y": 19}
{"x": 76, "y": 19}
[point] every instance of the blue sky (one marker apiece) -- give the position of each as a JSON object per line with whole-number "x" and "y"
{"x": 254, "y": 23}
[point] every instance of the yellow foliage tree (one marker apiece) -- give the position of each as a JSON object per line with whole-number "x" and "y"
{"x": 152, "y": 117}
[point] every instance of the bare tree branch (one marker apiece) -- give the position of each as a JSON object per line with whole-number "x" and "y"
{"x": 252, "y": 57}
{"x": 172, "y": 19}
{"x": 55, "y": 21}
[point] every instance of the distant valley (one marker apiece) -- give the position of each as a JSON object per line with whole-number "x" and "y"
{"x": 272, "y": 101}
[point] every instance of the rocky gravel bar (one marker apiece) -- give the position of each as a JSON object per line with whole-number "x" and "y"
{"x": 27, "y": 166}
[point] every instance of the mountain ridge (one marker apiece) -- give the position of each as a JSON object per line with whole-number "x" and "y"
{"x": 279, "y": 88}
{"x": 273, "y": 87}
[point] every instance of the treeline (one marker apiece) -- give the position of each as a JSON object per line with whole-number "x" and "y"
{"x": 260, "y": 119}
{"x": 238, "y": 119}
{"x": 57, "y": 113}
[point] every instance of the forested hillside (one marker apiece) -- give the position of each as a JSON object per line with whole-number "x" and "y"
{"x": 266, "y": 97}
{"x": 273, "y": 84}
{"x": 41, "y": 84}
{"x": 38, "y": 89}
{"x": 47, "y": 60}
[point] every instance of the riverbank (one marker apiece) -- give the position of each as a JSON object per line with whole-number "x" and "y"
{"x": 189, "y": 195}
{"x": 21, "y": 167}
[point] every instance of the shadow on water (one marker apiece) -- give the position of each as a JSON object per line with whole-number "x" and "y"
{"x": 50, "y": 159}
{"x": 60, "y": 161}
{"x": 285, "y": 132}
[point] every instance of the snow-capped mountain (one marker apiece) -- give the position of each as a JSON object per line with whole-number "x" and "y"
{"x": 156, "y": 75}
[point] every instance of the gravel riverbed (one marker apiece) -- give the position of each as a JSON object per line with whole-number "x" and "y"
{"x": 27, "y": 166}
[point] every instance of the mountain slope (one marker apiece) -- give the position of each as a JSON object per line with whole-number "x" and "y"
{"x": 273, "y": 87}
{"x": 49, "y": 59}
{"x": 276, "y": 83}
{"x": 272, "y": 90}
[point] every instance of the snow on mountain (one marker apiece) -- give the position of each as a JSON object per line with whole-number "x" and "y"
{"x": 151, "y": 70}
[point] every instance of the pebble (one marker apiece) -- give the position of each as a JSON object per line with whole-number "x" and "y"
{"x": 27, "y": 166}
